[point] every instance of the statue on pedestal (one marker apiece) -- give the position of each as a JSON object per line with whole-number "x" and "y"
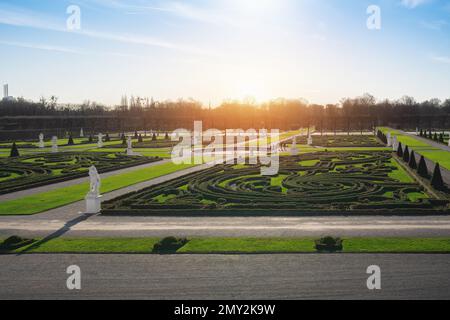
{"x": 294, "y": 150}
{"x": 100, "y": 140}
{"x": 93, "y": 198}
{"x": 310, "y": 140}
{"x": 54, "y": 144}
{"x": 41, "y": 141}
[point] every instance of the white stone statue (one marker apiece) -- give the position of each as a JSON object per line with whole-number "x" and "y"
{"x": 81, "y": 133}
{"x": 100, "y": 140}
{"x": 294, "y": 150}
{"x": 54, "y": 144}
{"x": 310, "y": 140}
{"x": 394, "y": 144}
{"x": 95, "y": 181}
{"x": 129, "y": 146}
{"x": 93, "y": 198}
{"x": 130, "y": 151}
{"x": 417, "y": 131}
{"x": 389, "y": 139}
{"x": 41, "y": 141}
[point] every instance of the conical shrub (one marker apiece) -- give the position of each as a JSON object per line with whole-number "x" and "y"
{"x": 412, "y": 160}
{"x": 14, "y": 151}
{"x": 422, "y": 169}
{"x": 400, "y": 150}
{"x": 70, "y": 142}
{"x": 436, "y": 181}
{"x": 406, "y": 155}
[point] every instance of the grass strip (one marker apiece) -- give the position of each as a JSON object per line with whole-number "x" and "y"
{"x": 239, "y": 245}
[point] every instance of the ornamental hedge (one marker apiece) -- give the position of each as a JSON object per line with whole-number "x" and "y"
{"x": 30, "y": 171}
{"x": 343, "y": 141}
{"x": 316, "y": 183}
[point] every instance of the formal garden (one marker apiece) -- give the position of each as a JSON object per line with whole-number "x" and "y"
{"x": 339, "y": 141}
{"x": 328, "y": 183}
{"x": 29, "y": 171}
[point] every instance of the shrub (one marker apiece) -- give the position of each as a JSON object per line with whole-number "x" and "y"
{"x": 136, "y": 135}
{"x": 406, "y": 155}
{"x": 422, "y": 170}
{"x": 107, "y": 138}
{"x": 435, "y": 137}
{"x": 421, "y": 132}
{"x": 91, "y": 139}
{"x": 169, "y": 245}
{"x": 167, "y": 136}
{"x": 400, "y": 150}
{"x": 70, "y": 142}
{"x": 329, "y": 244}
{"x": 14, "y": 151}
{"x": 412, "y": 161}
{"x": 140, "y": 140}
{"x": 124, "y": 140}
{"x": 154, "y": 138}
{"x": 436, "y": 180}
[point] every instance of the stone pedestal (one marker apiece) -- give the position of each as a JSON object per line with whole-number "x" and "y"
{"x": 93, "y": 203}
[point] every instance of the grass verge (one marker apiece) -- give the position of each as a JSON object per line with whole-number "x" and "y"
{"x": 239, "y": 245}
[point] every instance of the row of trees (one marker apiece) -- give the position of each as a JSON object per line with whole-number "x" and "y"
{"x": 360, "y": 113}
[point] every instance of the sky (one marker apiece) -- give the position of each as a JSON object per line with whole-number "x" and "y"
{"x": 213, "y": 50}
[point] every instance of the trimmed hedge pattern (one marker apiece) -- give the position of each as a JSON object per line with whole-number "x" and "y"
{"x": 311, "y": 183}
{"x": 339, "y": 141}
{"x": 32, "y": 171}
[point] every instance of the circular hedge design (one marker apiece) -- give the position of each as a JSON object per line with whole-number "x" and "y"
{"x": 40, "y": 169}
{"x": 318, "y": 183}
{"x": 339, "y": 141}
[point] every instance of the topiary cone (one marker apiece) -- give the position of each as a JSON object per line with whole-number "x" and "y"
{"x": 70, "y": 142}
{"x": 14, "y": 151}
{"x": 412, "y": 160}
{"x": 436, "y": 180}
{"x": 406, "y": 155}
{"x": 422, "y": 169}
{"x": 400, "y": 150}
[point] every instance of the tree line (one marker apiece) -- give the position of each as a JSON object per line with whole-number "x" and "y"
{"x": 135, "y": 113}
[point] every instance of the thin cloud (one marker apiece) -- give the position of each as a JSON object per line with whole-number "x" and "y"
{"x": 434, "y": 25}
{"x": 441, "y": 59}
{"x": 42, "y": 47}
{"x": 22, "y": 18}
{"x": 411, "y": 4}
{"x": 60, "y": 49}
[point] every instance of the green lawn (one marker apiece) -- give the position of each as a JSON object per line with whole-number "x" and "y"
{"x": 400, "y": 174}
{"x": 306, "y": 245}
{"x": 423, "y": 148}
{"x": 247, "y": 245}
{"x": 238, "y": 245}
{"x": 53, "y": 199}
{"x": 94, "y": 245}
